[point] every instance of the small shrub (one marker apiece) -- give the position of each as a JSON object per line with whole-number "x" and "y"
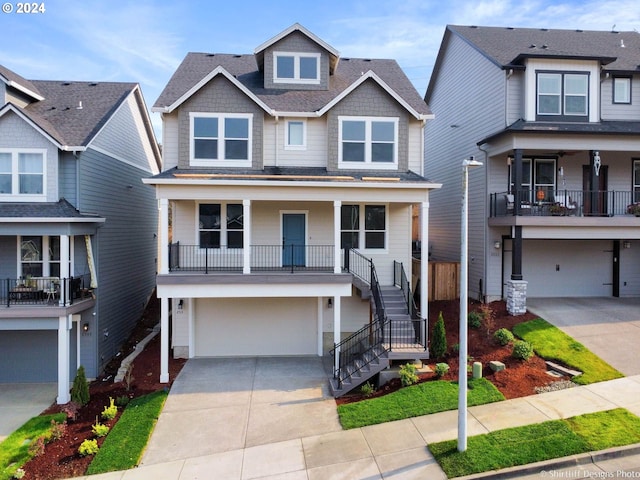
{"x": 111, "y": 411}
{"x": 57, "y": 430}
{"x": 488, "y": 318}
{"x": 80, "y": 389}
{"x": 367, "y": 389}
{"x": 19, "y": 473}
{"x": 122, "y": 400}
{"x": 503, "y": 336}
{"x": 438, "y": 344}
{"x": 88, "y": 447}
{"x": 70, "y": 410}
{"x": 474, "y": 320}
{"x": 408, "y": 375}
{"x": 456, "y": 348}
{"x": 99, "y": 429}
{"x": 36, "y": 447}
{"x": 522, "y": 350}
{"x": 441, "y": 369}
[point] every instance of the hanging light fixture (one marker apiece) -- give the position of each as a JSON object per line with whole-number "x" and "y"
{"x": 596, "y": 162}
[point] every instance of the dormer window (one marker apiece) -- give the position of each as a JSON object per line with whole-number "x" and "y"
{"x": 562, "y": 96}
{"x": 296, "y": 67}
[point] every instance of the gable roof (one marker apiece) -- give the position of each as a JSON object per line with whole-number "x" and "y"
{"x": 507, "y": 47}
{"x": 196, "y": 68}
{"x": 334, "y": 55}
{"x": 12, "y": 79}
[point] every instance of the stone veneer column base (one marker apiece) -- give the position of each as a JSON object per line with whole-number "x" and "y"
{"x": 516, "y": 297}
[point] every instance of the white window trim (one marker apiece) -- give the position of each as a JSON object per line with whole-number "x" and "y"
{"x": 15, "y": 176}
{"x": 296, "y": 68}
{"x": 362, "y": 231}
{"x": 223, "y": 227}
{"x": 368, "y": 164}
{"x": 46, "y": 259}
{"x": 220, "y": 162}
{"x": 287, "y": 145}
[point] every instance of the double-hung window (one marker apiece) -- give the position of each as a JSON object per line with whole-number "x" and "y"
{"x": 289, "y": 67}
{"x": 538, "y": 175}
{"x": 622, "y": 90}
{"x": 22, "y": 174}
{"x": 636, "y": 180}
{"x": 213, "y": 232}
{"x": 363, "y": 226}
{"x": 40, "y": 256}
{"x": 368, "y": 142}
{"x": 562, "y": 96}
{"x": 221, "y": 139}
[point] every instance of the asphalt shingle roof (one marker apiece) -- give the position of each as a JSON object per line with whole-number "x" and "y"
{"x": 197, "y": 66}
{"x": 61, "y": 209}
{"x": 506, "y": 46}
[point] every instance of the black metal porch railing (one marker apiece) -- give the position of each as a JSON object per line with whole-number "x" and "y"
{"x": 48, "y": 291}
{"x": 400, "y": 280}
{"x": 291, "y": 258}
{"x": 549, "y": 202}
{"x": 358, "y": 265}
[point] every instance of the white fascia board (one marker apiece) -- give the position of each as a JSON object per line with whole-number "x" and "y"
{"x": 370, "y": 74}
{"x": 275, "y": 183}
{"x": 301, "y": 29}
{"x": 249, "y": 290}
{"x": 22, "y": 88}
{"x": 215, "y": 72}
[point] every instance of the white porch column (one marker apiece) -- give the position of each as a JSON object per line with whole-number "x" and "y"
{"x": 337, "y": 206}
{"x": 336, "y": 329}
{"x": 424, "y": 264}
{"x": 320, "y": 323}
{"x": 163, "y": 236}
{"x": 64, "y": 325}
{"x": 192, "y": 330}
{"x": 246, "y": 237}
{"x": 164, "y": 340}
{"x": 64, "y": 270}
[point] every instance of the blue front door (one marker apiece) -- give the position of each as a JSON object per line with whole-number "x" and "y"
{"x": 293, "y": 239}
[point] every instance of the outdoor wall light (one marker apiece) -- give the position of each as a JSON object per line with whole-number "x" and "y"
{"x": 180, "y": 304}
{"x": 330, "y": 303}
{"x": 496, "y": 245}
{"x": 85, "y": 327}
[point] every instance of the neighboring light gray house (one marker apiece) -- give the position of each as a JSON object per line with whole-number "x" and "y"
{"x": 288, "y": 174}
{"x": 554, "y": 115}
{"x": 77, "y": 226}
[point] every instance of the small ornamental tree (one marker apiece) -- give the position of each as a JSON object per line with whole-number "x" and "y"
{"x": 438, "y": 345}
{"x": 80, "y": 388}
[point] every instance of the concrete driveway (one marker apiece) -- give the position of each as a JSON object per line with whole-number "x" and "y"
{"x": 608, "y": 326}
{"x": 21, "y": 401}
{"x": 223, "y": 404}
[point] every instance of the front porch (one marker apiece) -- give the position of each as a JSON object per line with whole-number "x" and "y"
{"x": 45, "y": 291}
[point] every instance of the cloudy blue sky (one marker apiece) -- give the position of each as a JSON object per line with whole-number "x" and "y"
{"x": 145, "y": 40}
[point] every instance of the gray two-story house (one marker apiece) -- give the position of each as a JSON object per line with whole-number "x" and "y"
{"x": 289, "y": 179}
{"x": 554, "y": 116}
{"x": 77, "y": 226}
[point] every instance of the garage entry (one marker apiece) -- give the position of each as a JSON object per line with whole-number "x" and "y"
{"x": 255, "y": 326}
{"x": 29, "y": 356}
{"x": 565, "y": 268}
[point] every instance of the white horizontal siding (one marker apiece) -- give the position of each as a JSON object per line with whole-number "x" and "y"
{"x": 313, "y": 155}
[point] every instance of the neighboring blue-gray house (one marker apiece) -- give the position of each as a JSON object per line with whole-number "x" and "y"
{"x": 554, "y": 115}
{"x": 77, "y": 226}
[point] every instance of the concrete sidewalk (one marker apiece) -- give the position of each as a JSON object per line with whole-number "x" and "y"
{"x": 390, "y": 450}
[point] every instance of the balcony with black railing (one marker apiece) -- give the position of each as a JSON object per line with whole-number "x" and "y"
{"x": 262, "y": 258}
{"x": 44, "y": 291}
{"x": 563, "y": 202}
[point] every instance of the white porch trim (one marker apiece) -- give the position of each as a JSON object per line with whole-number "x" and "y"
{"x": 337, "y": 313}
{"x": 64, "y": 325}
{"x": 337, "y": 207}
{"x": 164, "y": 340}
{"x": 246, "y": 239}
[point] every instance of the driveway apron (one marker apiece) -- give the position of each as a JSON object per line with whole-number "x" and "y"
{"x": 21, "y": 401}
{"x": 222, "y": 404}
{"x": 608, "y": 326}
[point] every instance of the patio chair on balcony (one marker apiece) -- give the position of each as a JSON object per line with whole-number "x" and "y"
{"x": 564, "y": 200}
{"x": 525, "y": 207}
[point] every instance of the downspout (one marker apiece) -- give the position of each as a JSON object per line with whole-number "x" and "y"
{"x": 422, "y": 149}
{"x": 506, "y": 96}
{"x": 76, "y": 156}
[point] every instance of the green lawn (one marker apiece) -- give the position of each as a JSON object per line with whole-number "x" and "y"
{"x": 123, "y": 447}
{"x": 421, "y": 399}
{"x": 14, "y": 450}
{"x": 551, "y": 343}
{"x": 533, "y": 443}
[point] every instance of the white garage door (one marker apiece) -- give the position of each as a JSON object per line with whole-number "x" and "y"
{"x": 256, "y": 326}
{"x": 566, "y": 268}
